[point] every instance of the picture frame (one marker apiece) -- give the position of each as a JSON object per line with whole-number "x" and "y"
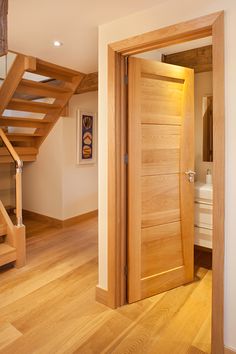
{"x": 86, "y": 137}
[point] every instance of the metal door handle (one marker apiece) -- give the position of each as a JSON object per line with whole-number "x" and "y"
{"x": 190, "y": 174}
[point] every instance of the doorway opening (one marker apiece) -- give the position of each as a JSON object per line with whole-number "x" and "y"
{"x": 211, "y": 25}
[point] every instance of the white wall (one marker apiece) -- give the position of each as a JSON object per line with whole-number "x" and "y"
{"x": 164, "y": 14}
{"x": 55, "y": 185}
{"x": 43, "y": 180}
{"x": 80, "y": 182}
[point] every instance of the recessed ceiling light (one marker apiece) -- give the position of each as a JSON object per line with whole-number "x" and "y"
{"x": 57, "y": 43}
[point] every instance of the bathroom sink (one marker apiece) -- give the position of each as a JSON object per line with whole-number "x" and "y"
{"x": 203, "y": 191}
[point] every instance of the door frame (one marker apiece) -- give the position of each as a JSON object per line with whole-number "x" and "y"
{"x": 209, "y": 25}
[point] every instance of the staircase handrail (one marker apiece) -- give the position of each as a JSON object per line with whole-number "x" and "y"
{"x": 19, "y": 167}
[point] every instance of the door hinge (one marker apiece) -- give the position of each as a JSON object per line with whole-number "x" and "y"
{"x": 126, "y": 79}
{"x": 126, "y": 159}
{"x": 126, "y": 270}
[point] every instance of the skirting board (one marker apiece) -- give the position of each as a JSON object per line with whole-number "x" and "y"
{"x": 101, "y": 295}
{"x": 229, "y": 351}
{"x": 59, "y": 223}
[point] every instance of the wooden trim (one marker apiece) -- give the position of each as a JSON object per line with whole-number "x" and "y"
{"x": 79, "y": 218}
{"x": 194, "y": 29}
{"x": 57, "y": 222}
{"x": 101, "y": 295}
{"x": 218, "y": 185}
{"x": 113, "y": 199}
{"x": 174, "y": 34}
{"x": 117, "y": 195}
{"x": 40, "y": 217}
{"x": 229, "y": 351}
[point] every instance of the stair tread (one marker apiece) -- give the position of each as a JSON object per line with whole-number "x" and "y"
{"x": 19, "y": 104}
{"x": 44, "y": 85}
{"x": 6, "y": 249}
{"x": 33, "y": 103}
{"x": 55, "y": 71}
{"x": 57, "y": 68}
{"x": 9, "y": 135}
{"x": 20, "y": 150}
{"x": 25, "y": 119}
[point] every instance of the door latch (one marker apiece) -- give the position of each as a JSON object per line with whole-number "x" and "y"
{"x": 190, "y": 174}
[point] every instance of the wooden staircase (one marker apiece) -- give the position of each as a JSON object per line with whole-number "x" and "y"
{"x": 16, "y": 95}
{"x": 28, "y": 111}
{"x": 7, "y": 252}
{"x": 12, "y": 241}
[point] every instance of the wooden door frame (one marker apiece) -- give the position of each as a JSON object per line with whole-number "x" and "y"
{"x": 210, "y": 25}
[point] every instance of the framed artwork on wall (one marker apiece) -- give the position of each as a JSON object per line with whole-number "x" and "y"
{"x": 86, "y": 137}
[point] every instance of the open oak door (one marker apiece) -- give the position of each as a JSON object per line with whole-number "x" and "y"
{"x": 160, "y": 182}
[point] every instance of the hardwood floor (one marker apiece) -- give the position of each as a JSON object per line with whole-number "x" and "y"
{"x": 48, "y": 306}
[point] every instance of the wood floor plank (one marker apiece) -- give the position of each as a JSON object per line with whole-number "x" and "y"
{"x": 146, "y": 335}
{"x": 49, "y": 306}
{"x": 8, "y": 334}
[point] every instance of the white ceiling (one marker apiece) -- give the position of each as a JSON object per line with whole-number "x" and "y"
{"x": 34, "y": 24}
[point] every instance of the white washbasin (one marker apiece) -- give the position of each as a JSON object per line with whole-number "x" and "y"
{"x": 203, "y": 191}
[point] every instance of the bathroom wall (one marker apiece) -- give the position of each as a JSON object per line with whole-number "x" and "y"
{"x": 203, "y": 86}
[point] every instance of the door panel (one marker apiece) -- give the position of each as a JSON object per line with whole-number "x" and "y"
{"x": 160, "y": 149}
{"x": 164, "y": 241}
{"x": 160, "y": 199}
{"x": 160, "y": 196}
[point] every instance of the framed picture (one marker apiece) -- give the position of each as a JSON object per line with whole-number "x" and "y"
{"x": 86, "y": 137}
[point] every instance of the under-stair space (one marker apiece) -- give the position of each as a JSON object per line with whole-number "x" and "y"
{"x": 33, "y": 95}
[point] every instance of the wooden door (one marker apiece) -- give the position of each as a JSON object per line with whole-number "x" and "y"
{"x": 160, "y": 193}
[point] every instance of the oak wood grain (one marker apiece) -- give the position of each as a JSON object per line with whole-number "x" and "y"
{"x": 160, "y": 194}
{"x": 50, "y": 306}
{"x": 212, "y": 24}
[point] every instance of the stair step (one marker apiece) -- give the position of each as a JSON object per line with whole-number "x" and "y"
{"x": 3, "y": 230}
{"x": 22, "y": 136}
{"x": 20, "y": 151}
{"x": 24, "y": 158}
{"x": 27, "y": 154}
{"x": 7, "y": 254}
{"x": 23, "y": 122}
{"x": 40, "y": 89}
{"x": 32, "y": 106}
{"x": 55, "y": 71}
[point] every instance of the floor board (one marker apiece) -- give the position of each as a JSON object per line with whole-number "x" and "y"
{"x": 49, "y": 306}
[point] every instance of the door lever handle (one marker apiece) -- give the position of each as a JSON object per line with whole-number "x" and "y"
{"x": 190, "y": 174}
